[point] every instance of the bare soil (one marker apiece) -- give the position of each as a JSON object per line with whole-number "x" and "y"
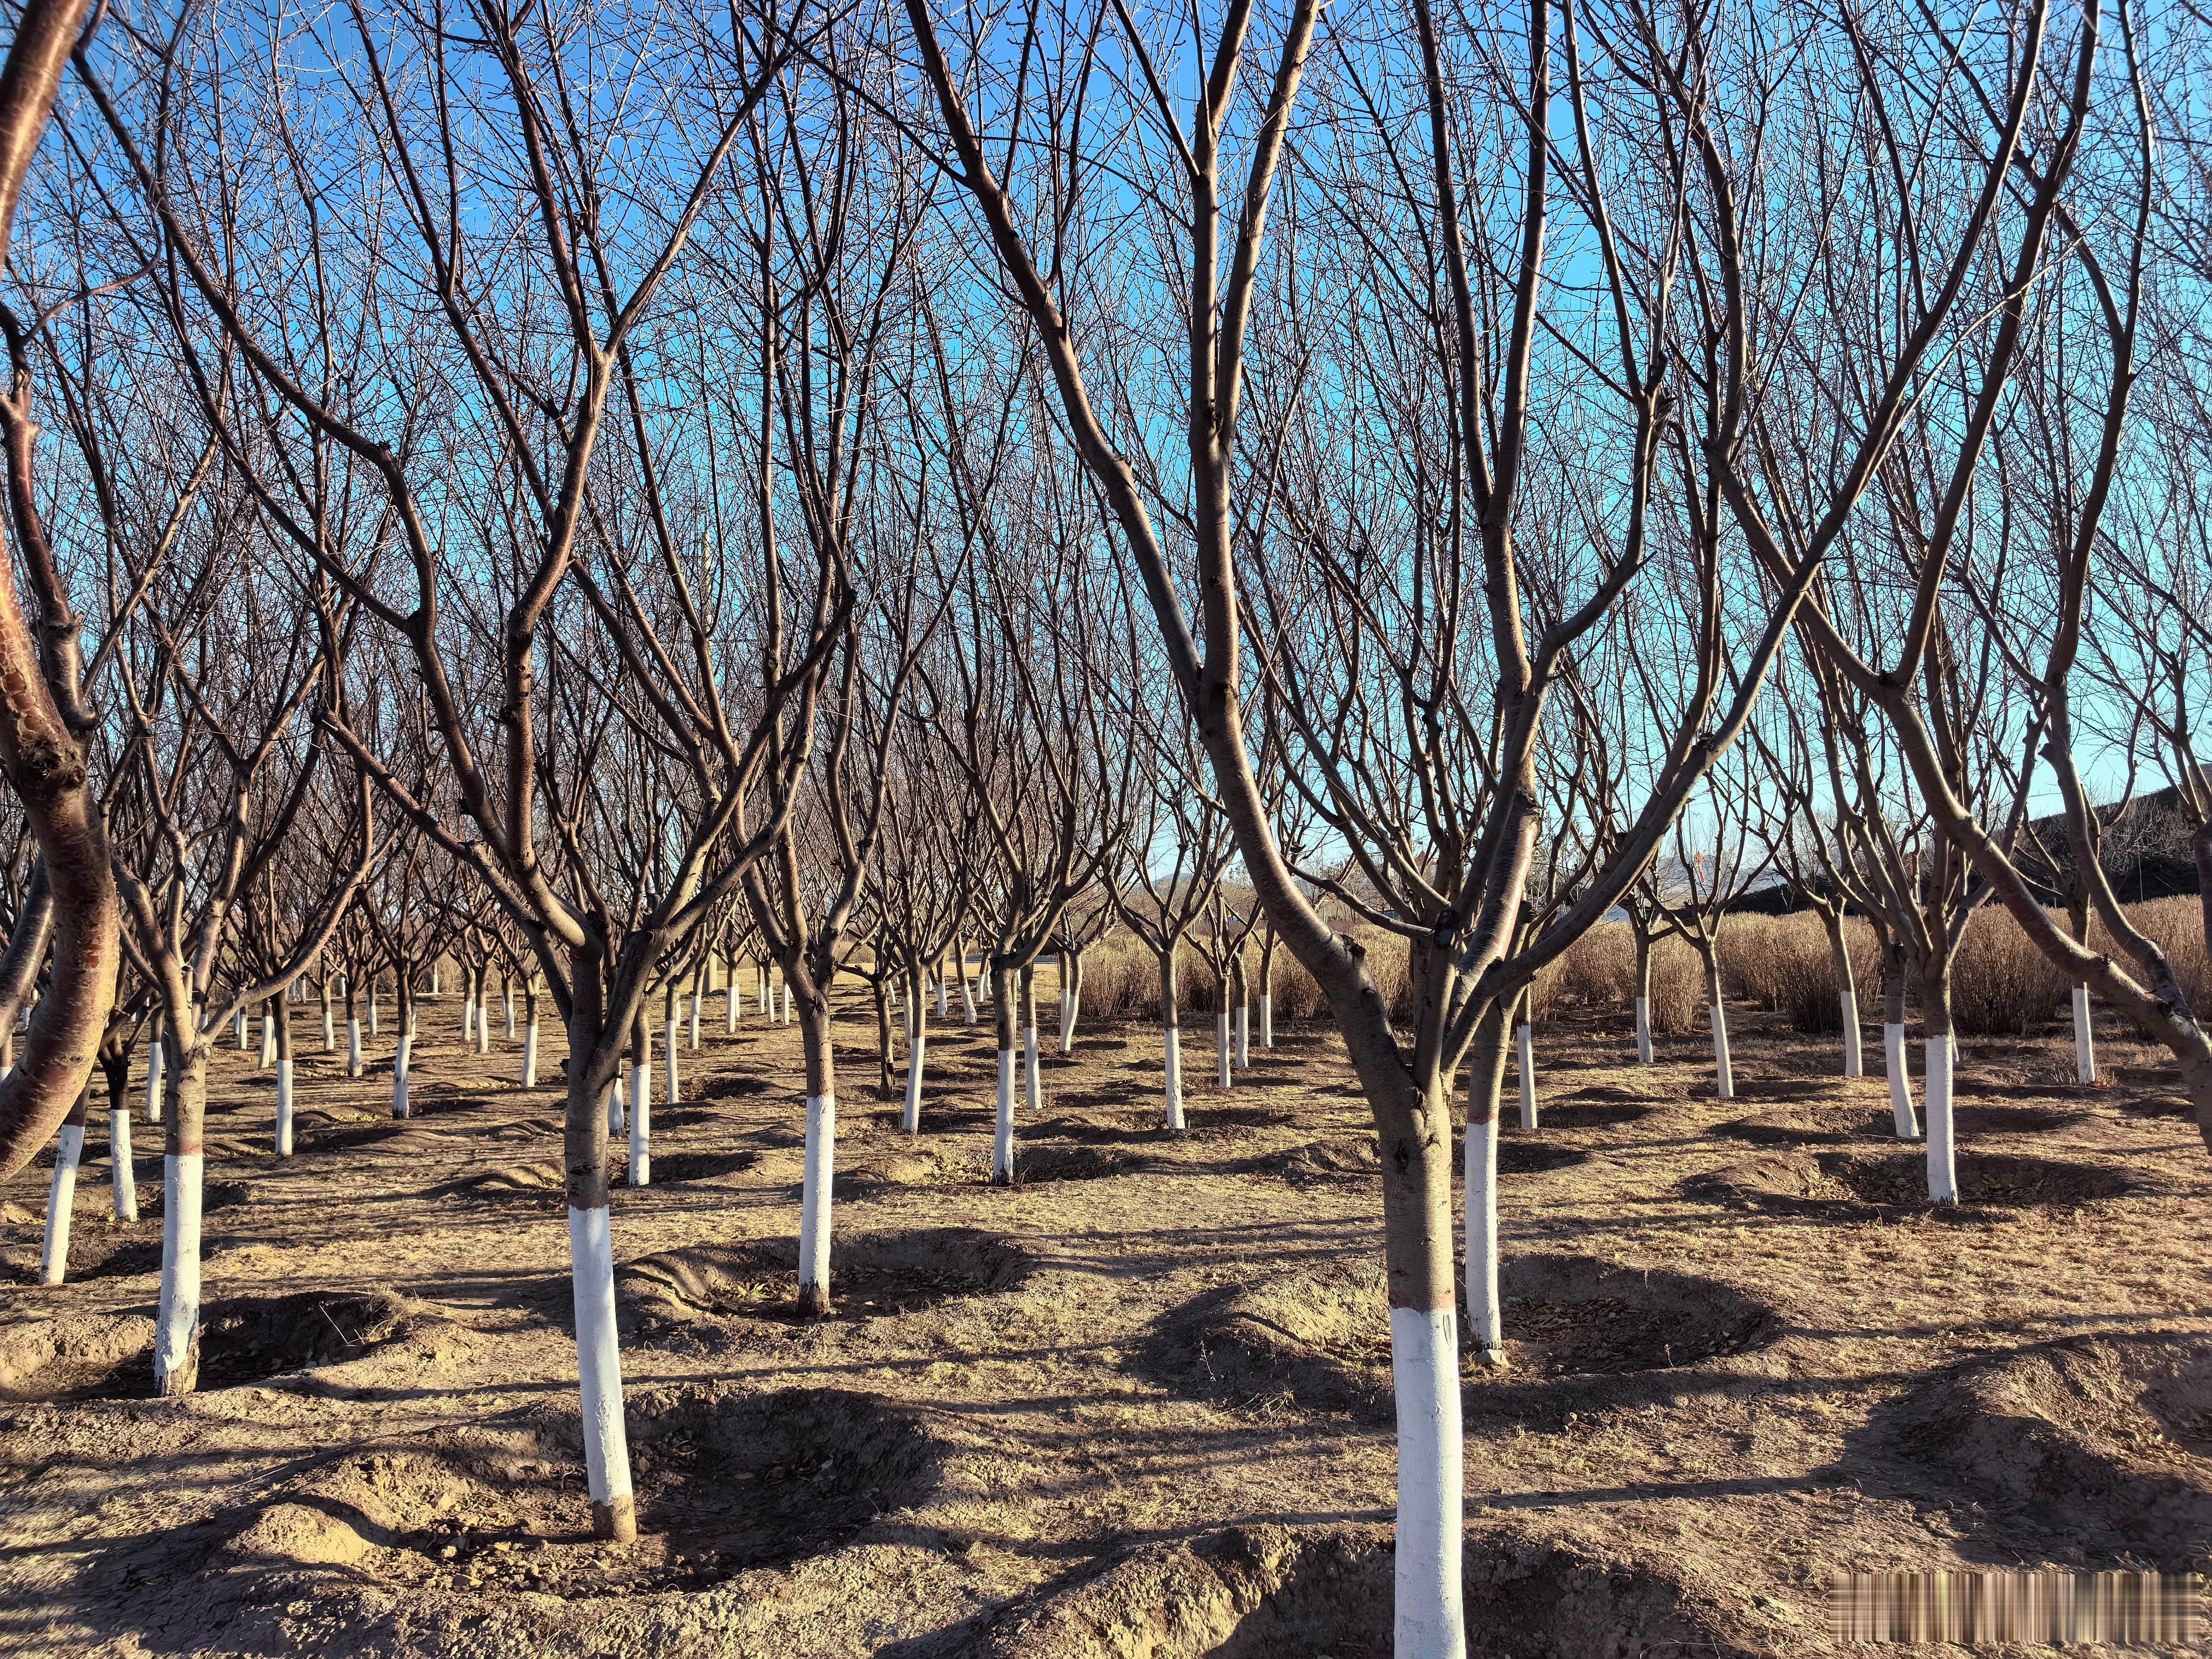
{"x": 1137, "y": 1407}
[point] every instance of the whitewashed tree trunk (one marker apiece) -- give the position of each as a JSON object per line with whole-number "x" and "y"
{"x": 1429, "y": 1621}
{"x": 640, "y": 1120}
{"x": 352, "y": 1046}
{"x": 285, "y": 1106}
{"x": 1485, "y": 1319}
{"x": 241, "y": 1030}
{"x": 1644, "y": 1031}
{"x": 815, "y": 1203}
{"x": 1002, "y": 1144}
{"x": 469, "y": 1018}
{"x": 2085, "y": 1041}
{"x": 434, "y": 979}
{"x": 1524, "y": 1057}
{"x": 1266, "y": 1020}
{"x": 675, "y": 1076}
{"x": 153, "y": 1061}
{"x": 399, "y": 1063}
{"x": 598, "y": 1365}
{"x": 967, "y": 997}
{"x": 698, "y": 997}
{"x": 943, "y": 1011}
{"x": 732, "y": 1000}
{"x": 372, "y": 1013}
{"x": 1173, "y": 1050}
{"x": 530, "y": 1054}
{"x": 330, "y": 1029}
{"x": 1224, "y": 1076}
{"x": 268, "y": 1041}
{"x": 507, "y": 1002}
{"x": 177, "y": 1322}
{"x": 1854, "y": 1061}
{"x": 910, "y": 1119}
{"x": 1942, "y": 1154}
{"x": 121, "y": 1176}
{"x": 1244, "y": 1034}
{"x": 61, "y": 1200}
{"x": 1032, "y": 1080}
{"x": 1900, "y": 1085}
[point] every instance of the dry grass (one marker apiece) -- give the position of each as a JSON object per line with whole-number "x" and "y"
{"x": 1783, "y": 963}
{"x": 2001, "y": 984}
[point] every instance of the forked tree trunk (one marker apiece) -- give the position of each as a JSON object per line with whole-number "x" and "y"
{"x": 819, "y": 1191}
{"x": 61, "y": 1192}
{"x": 284, "y": 1078}
{"x": 1171, "y": 1030}
{"x": 1485, "y": 1319}
{"x": 184, "y": 1171}
{"x": 1939, "y": 1060}
{"x": 1002, "y": 1142}
{"x": 1892, "y": 1049}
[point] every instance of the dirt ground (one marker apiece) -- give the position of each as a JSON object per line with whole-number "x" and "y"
{"x": 1137, "y": 1406}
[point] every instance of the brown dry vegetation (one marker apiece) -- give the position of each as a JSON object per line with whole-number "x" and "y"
{"x": 1138, "y": 1405}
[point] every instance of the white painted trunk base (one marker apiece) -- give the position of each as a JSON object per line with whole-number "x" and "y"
{"x": 1524, "y": 1056}
{"x": 1723, "y": 1080}
{"x": 61, "y": 1200}
{"x": 1002, "y": 1142}
{"x": 599, "y": 1366}
{"x": 815, "y": 1195}
{"x": 787, "y": 1005}
{"x": 400, "y": 1060}
{"x": 943, "y": 1011}
{"x": 1430, "y": 1623}
{"x": 1644, "y": 1031}
{"x": 1032, "y": 1079}
{"x": 484, "y": 1029}
{"x": 1854, "y": 1061}
{"x": 1222, "y": 1073}
{"x": 1175, "y": 1076}
{"x": 640, "y": 1125}
{"x": 154, "y": 1053}
{"x": 675, "y": 1080}
{"x": 1485, "y": 1321}
{"x": 329, "y": 1029}
{"x": 1943, "y": 1152}
{"x": 1243, "y": 1033}
{"x": 730, "y": 1012}
{"x": 177, "y": 1321}
{"x": 468, "y": 1019}
{"x": 268, "y": 1041}
{"x": 1900, "y": 1085}
{"x": 530, "y": 1056}
{"x": 121, "y": 1176}
{"x": 697, "y": 997}
{"x": 967, "y": 998}
{"x": 506, "y": 1000}
{"x": 353, "y": 1046}
{"x": 2085, "y": 1041}
{"x": 284, "y": 1108}
{"x": 1266, "y": 1020}
{"x": 910, "y": 1119}
{"x": 1066, "y": 1021}
{"x": 241, "y": 1030}
{"x": 371, "y": 1017}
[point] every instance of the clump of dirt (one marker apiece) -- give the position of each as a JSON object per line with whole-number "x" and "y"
{"x": 1779, "y": 1183}
{"x": 1036, "y": 1165}
{"x": 515, "y": 1180}
{"x": 1257, "y": 1592}
{"x": 1322, "y": 1340}
{"x": 872, "y": 1276}
{"x": 724, "y": 1482}
{"x": 2108, "y": 1438}
{"x": 1996, "y": 1179}
{"x": 1789, "y": 1126}
{"x": 1581, "y": 1114}
{"x": 1534, "y": 1158}
{"x": 71, "y": 1357}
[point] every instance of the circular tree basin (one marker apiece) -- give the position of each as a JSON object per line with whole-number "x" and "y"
{"x": 872, "y": 1276}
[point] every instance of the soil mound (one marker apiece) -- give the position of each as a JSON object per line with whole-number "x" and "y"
{"x": 739, "y": 1086}
{"x": 1994, "y": 1179}
{"x": 2105, "y": 1438}
{"x": 872, "y": 1276}
{"x": 700, "y": 1166}
{"x": 1534, "y": 1158}
{"x": 1575, "y": 1113}
{"x": 242, "y": 1339}
{"x": 724, "y": 1482}
{"x": 97, "y": 1249}
{"x": 1035, "y": 1166}
{"x": 1789, "y": 1126}
{"x": 1318, "y": 1162}
{"x": 1249, "y": 1592}
{"x": 1322, "y": 1340}
{"x": 2013, "y": 1119}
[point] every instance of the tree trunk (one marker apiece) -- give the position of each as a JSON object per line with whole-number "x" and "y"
{"x": 917, "y": 1048}
{"x": 154, "y": 1052}
{"x": 881, "y": 986}
{"x": 671, "y": 1023}
{"x": 967, "y": 988}
{"x": 1267, "y": 993}
{"x": 1847, "y": 991}
{"x": 61, "y": 1192}
{"x": 820, "y": 1188}
{"x": 284, "y": 1078}
{"x": 353, "y": 1031}
{"x": 1071, "y": 996}
{"x": 1723, "y": 1080}
{"x": 404, "y": 1053}
{"x": 1524, "y": 1058}
{"x": 1002, "y": 1147}
{"x": 468, "y": 1005}
{"x": 330, "y": 1020}
{"x": 530, "y": 1033}
{"x": 1172, "y": 1033}
{"x": 184, "y": 1168}
{"x": 1485, "y": 1319}
{"x": 591, "y": 1267}
{"x": 640, "y": 1100}
{"x": 1937, "y": 1060}
{"x": 1643, "y": 997}
{"x": 1244, "y": 1010}
{"x": 1892, "y": 1046}
{"x": 698, "y": 1002}
{"x": 1032, "y": 1083}
{"x": 268, "y": 1034}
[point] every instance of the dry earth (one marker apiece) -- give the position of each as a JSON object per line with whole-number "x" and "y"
{"x": 1137, "y": 1406}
